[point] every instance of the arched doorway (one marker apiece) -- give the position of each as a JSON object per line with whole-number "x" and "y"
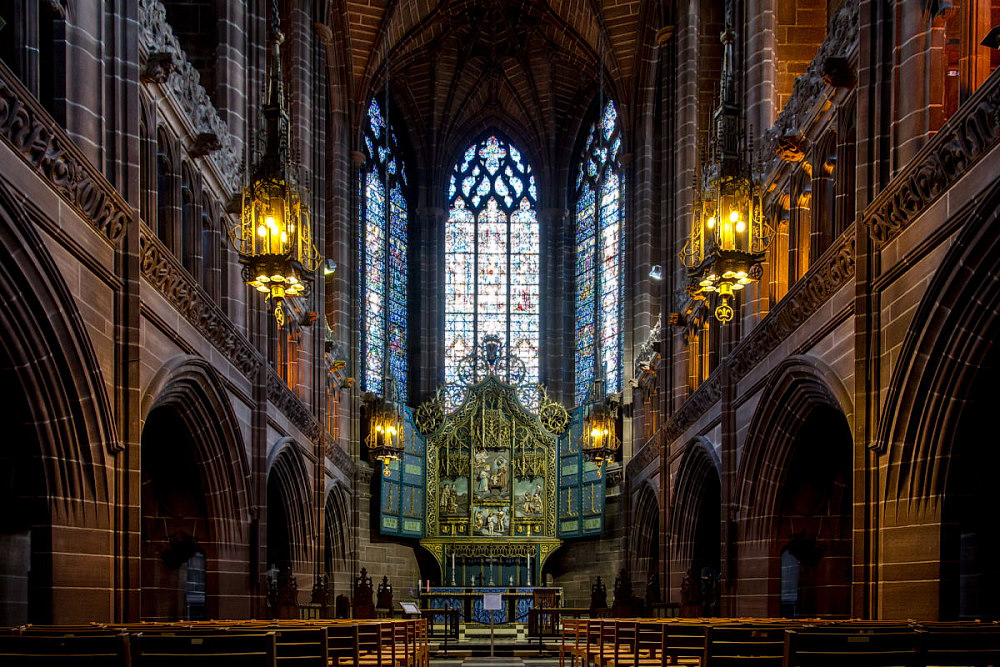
{"x": 59, "y": 436}
{"x": 176, "y": 530}
{"x": 813, "y": 532}
{"x": 644, "y": 548}
{"x": 289, "y": 518}
{"x": 696, "y": 546}
{"x": 795, "y": 480}
{"x": 935, "y": 435}
{"x": 25, "y": 508}
{"x": 970, "y": 541}
{"x": 194, "y": 498}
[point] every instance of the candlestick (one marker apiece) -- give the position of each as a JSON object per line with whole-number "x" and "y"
{"x": 452, "y": 568}
{"x": 529, "y": 569}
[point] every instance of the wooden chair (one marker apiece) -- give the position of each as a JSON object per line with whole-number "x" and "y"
{"x": 74, "y": 650}
{"x": 821, "y": 647}
{"x": 684, "y": 641}
{"x": 574, "y": 638}
{"x": 151, "y": 649}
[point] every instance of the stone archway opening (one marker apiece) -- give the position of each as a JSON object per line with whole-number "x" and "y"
{"x": 176, "y": 529}
{"x": 813, "y": 526}
{"x": 25, "y": 513}
{"x": 970, "y": 542}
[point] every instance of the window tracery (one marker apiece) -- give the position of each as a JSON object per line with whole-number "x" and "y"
{"x": 491, "y": 257}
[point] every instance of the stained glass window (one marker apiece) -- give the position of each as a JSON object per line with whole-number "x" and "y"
{"x": 600, "y": 245}
{"x": 491, "y": 257}
{"x": 383, "y": 251}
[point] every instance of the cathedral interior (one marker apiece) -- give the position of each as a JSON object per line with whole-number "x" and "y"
{"x": 685, "y": 302}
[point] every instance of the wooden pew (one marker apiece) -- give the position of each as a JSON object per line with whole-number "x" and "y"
{"x": 824, "y": 647}
{"x": 101, "y": 650}
{"x": 961, "y": 644}
{"x": 745, "y": 645}
{"x": 208, "y": 649}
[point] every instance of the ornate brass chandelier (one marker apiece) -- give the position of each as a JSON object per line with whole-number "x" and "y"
{"x": 724, "y": 251}
{"x": 274, "y": 235}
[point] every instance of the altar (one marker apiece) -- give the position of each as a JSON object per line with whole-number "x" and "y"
{"x": 468, "y": 601}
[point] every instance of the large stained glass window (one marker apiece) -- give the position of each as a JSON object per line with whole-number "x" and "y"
{"x": 491, "y": 259}
{"x": 600, "y": 244}
{"x": 383, "y": 252}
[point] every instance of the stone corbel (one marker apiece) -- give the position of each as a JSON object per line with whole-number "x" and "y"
{"x": 205, "y": 143}
{"x": 791, "y": 148}
{"x": 159, "y": 66}
{"x": 837, "y": 72}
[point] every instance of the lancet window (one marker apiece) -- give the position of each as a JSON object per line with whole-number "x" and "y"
{"x": 600, "y": 244}
{"x": 384, "y": 217}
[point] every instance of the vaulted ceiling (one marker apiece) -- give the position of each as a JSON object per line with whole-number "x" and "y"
{"x": 528, "y": 67}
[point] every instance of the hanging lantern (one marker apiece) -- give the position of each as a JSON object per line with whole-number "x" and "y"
{"x": 386, "y": 432}
{"x": 274, "y": 236}
{"x": 728, "y": 236}
{"x": 599, "y": 441}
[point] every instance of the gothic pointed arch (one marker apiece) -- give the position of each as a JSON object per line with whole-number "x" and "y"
{"x": 191, "y": 389}
{"x": 54, "y": 360}
{"x": 644, "y": 536}
{"x": 796, "y": 387}
{"x": 290, "y": 521}
{"x": 794, "y": 486}
{"x": 698, "y": 480}
{"x": 951, "y": 333}
{"x": 491, "y": 239}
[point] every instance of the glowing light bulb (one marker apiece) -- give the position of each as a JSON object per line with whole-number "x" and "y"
{"x": 284, "y": 237}
{"x": 733, "y": 216}
{"x": 596, "y": 433}
{"x": 711, "y": 222}
{"x": 262, "y": 231}
{"x": 269, "y": 220}
{"x": 740, "y": 226}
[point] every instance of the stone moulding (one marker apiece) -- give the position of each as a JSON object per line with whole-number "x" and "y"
{"x": 703, "y": 398}
{"x": 162, "y": 271}
{"x": 965, "y": 138}
{"x": 646, "y": 455}
{"x": 291, "y": 405}
{"x": 340, "y": 458}
{"x": 183, "y": 82}
{"x": 31, "y": 133}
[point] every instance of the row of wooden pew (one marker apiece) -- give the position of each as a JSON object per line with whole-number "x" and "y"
{"x": 285, "y": 643}
{"x": 776, "y": 643}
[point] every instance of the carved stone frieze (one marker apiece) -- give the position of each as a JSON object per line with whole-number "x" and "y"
{"x": 291, "y": 406}
{"x": 704, "y": 397}
{"x": 841, "y": 40}
{"x": 340, "y": 458}
{"x": 646, "y": 455}
{"x": 44, "y": 146}
{"x": 967, "y": 136}
{"x": 184, "y": 83}
{"x": 828, "y": 275}
{"x": 159, "y": 267}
